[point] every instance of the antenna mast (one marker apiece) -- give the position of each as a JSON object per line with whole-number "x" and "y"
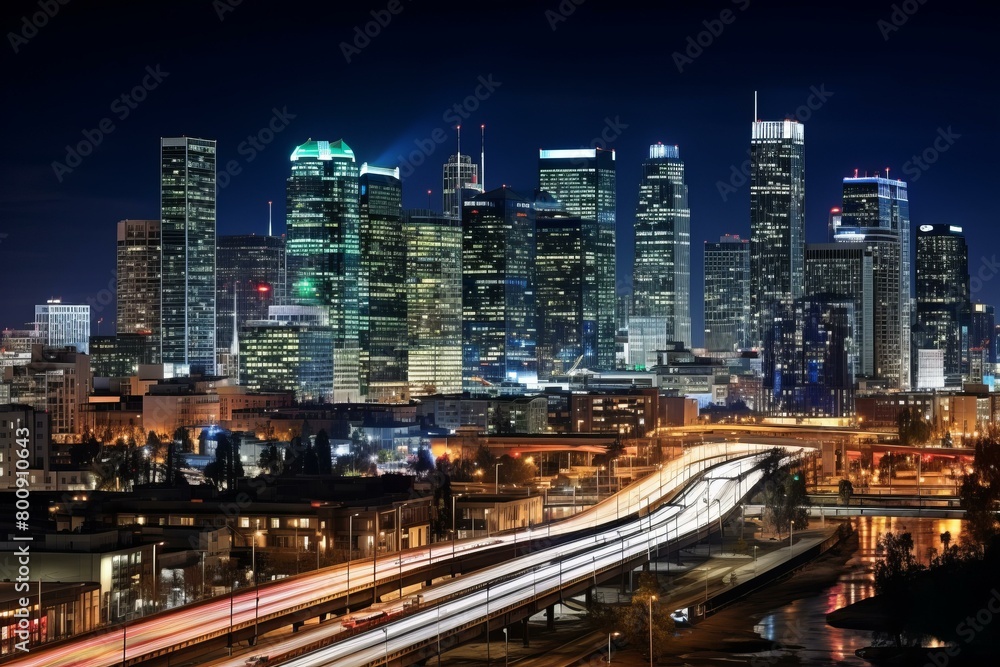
{"x": 269, "y": 219}
{"x": 482, "y": 159}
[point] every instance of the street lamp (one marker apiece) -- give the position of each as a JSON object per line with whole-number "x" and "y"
{"x": 755, "y": 559}
{"x": 721, "y": 539}
{"x": 385, "y": 631}
{"x": 486, "y": 520}
{"x": 651, "y": 598}
{"x": 256, "y": 589}
{"x": 506, "y": 646}
{"x": 399, "y": 545}
{"x": 350, "y": 553}
{"x": 496, "y": 478}
{"x": 610, "y": 635}
{"x": 155, "y": 544}
{"x": 454, "y": 531}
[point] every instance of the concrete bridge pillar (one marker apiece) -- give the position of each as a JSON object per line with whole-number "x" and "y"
{"x": 524, "y": 631}
{"x": 550, "y": 617}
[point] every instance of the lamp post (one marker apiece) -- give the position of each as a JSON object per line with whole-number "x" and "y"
{"x": 350, "y": 552}
{"x": 506, "y": 646}
{"x": 399, "y": 545}
{"x": 256, "y": 589}
{"x": 124, "y": 642}
{"x": 496, "y": 478}
{"x": 454, "y": 531}
{"x": 721, "y": 548}
{"x": 486, "y": 520}
{"x": 229, "y": 643}
{"x": 155, "y": 544}
{"x": 755, "y": 560}
{"x": 610, "y": 635}
{"x": 651, "y": 598}
{"x": 385, "y": 631}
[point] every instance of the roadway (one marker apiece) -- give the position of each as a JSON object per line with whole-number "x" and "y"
{"x": 213, "y": 619}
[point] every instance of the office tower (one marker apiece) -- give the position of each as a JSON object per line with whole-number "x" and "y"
{"x": 433, "y": 302}
{"x": 382, "y": 286}
{"x": 661, "y": 282}
{"x": 498, "y": 290}
{"x": 583, "y": 180}
{"x": 138, "y": 264}
{"x": 120, "y": 355}
{"x": 876, "y": 212}
{"x": 187, "y": 234}
{"x": 250, "y": 277}
{"x": 809, "y": 361}
{"x": 844, "y": 271}
{"x": 777, "y": 218}
{"x": 60, "y": 324}
{"x": 623, "y": 308}
{"x": 982, "y": 330}
{"x": 323, "y": 249}
{"x": 460, "y": 180}
{"x": 289, "y": 351}
{"x": 727, "y": 294}
{"x": 833, "y": 224}
{"x": 943, "y": 306}
{"x": 55, "y": 380}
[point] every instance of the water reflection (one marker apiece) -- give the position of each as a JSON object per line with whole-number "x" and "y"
{"x": 801, "y": 626}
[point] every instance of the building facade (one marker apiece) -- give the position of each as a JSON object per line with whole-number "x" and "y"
{"x": 727, "y": 294}
{"x": 60, "y": 324}
{"x": 138, "y": 262}
{"x": 187, "y": 235}
{"x": 459, "y": 180}
{"x": 943, "y": 302}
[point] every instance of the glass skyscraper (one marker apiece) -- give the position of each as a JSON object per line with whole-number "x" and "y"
{"x": 187, "y": 233}
{"x": 251, "y": 273}
{"x": 661, "y": 281}
{"x": 382, "y": 289}
{"x": 777, "y": 219}
{"x": 459, "y": 180}
{"x": 138, "y": 262}
{"x": 498, "y": 290}
{"x": 943, "y": 303}
{"x": 433, "y": 302}
{"x": 876, "y": 212}
{"x": 289, "y": 351}
{"x": 323, "y": 249}
{"x": 727, "y": 294}
{"x": 583, "y": 180}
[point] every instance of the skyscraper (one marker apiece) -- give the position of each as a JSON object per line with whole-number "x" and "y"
{"x": 289, "y": 351}
{"x": 433, "y": 302}
{"x": 777, "y": 218}
{"x": 252, "y": 269}
{"x": 982, "y": 330}
{"x": 566, "y": 300}
{"x": 138, "y": 262}
{"x": 727, "y": 294}
{"x": 323, "y": 249}
{"x": 60, "y": 324}
{"x": 459, "y": 180}
{"x": 498, "y": 289}
{"x": 943, "y": 297}
{"x": 876, "y": 212}
{"x": 382, "y": 296}
{"x": 583, "y": 180}
{"x": 662, "y": 270}
{"x": 187, "y": 231}
{"x": 844, "y": 272}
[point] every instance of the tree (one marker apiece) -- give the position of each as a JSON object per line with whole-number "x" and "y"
{"x": 324, "y": 454}
{"x": 894, "y": 575}
{"x": 227, "y": 467}
{"x": 423, "y": 463}
{"x": 912, "y": 428}
{"x": 83, "y": 454}
{"x": 515, "y": 470}
{"x": 980, "y": 489}
{"x": 844, "y": 492}
{"x": 270, "y": 461}
{"x": 310, "y": 462}
{"x": 784, "y": 500}
{"x": 633, "y": 619}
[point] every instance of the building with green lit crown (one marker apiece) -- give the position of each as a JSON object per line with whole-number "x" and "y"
{"x": 323, "y": 249}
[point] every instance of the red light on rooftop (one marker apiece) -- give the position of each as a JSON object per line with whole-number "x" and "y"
{"x": 263, "y": 288}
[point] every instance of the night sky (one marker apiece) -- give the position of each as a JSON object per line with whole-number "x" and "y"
{"x": 885, "y": 95}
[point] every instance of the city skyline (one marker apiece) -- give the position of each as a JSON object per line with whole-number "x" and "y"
{"x": 714, "y": 95}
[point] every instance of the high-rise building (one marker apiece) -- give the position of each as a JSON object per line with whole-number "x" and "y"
{"x": 809, "y": 360}
{"x": 727, "y": 294}
{"x": 876, "y": 212}
{"x": 323, "y": 249}
{"x": 433, "y": 302}
{"x": 982, "y": 330}
{"x": 566, "y": 293}
{"x": 187, "y": 231}
{"x": 60, "y": 324}
{"x": 56, "y": 380}
{"x": 583, "y": 180}
{"x": 777, "y": 218}
{"x": 498, "y": 290}
{"x": 382, "y": 286}
{"x": 460, "y": 180}
{"x": 120, "y": 355}
{"x": 139, "y": 279}
{"x": 943, "y": 306}
{"x": 833, "y": 224}
{"x": 289, "y": 351}
{"x": 843, "y": 271}
{"x": 661, "y": 282}
{"x": 250, "y": 277}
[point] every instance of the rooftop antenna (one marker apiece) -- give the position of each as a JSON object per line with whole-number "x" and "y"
{"x": 887, "y": 173}
{"x": 755, "y": 106}
{"x": 855, "y": 173}
{"x": 428, "y": 200}
{"x": 458, "y": 173}
{"x": 482, "y": 159}
{"x": 269, "y": 219}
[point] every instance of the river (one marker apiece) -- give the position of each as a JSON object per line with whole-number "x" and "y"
{"x": 800, "y": 627}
